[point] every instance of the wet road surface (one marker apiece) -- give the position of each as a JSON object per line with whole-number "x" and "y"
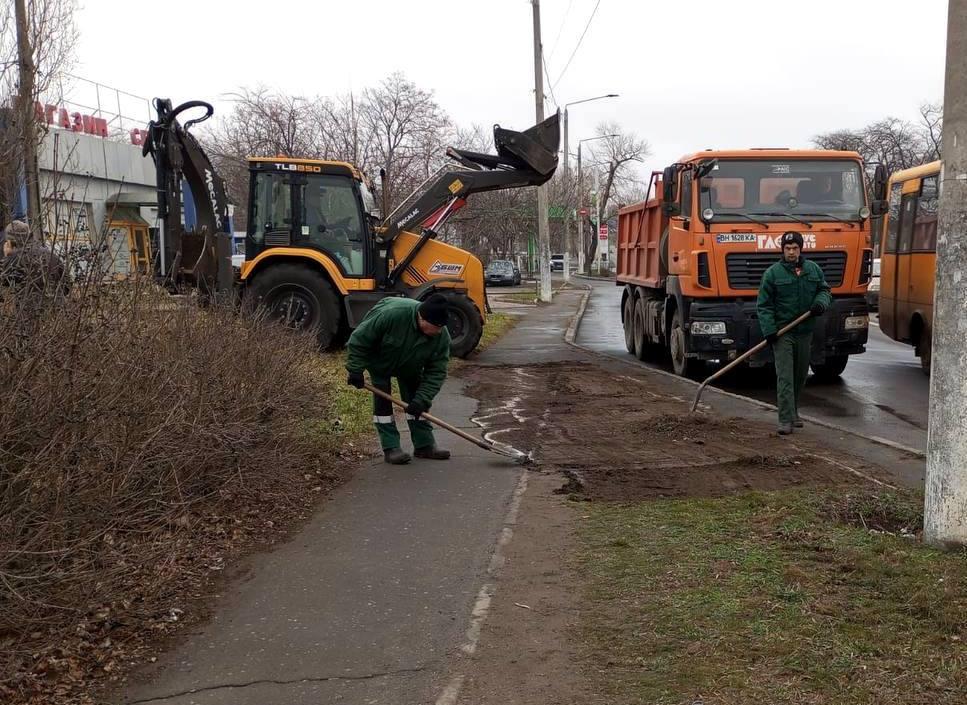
{"x": 883, "y": 392}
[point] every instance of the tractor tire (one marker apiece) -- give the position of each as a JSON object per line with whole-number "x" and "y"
{"x": 299, "y": 298}
{"x": 464, "y": 323}
{"x": 628, "y": 322}
{"x": 831, "y": 369}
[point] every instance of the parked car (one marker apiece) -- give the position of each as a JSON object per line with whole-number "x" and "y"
{"x": 502, "y": 272}
{"x": 557, "y": 263}
{"x": 873, "y": 290}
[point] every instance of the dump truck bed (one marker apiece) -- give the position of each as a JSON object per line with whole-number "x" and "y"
{"x": 640, "y": 228}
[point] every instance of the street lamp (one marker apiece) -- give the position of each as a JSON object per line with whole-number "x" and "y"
{"x": 568, "y": 241}
{"x": 581, "y": 196}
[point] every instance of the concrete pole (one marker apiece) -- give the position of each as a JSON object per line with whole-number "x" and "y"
{"x": 26, "y": 120}
{"x": 597, "y": 223}
{"x": 568, "y": 236}
{"x": 580, "y": 220}
{"x": 543, "y": 228}
{"x": 945, "y": 506}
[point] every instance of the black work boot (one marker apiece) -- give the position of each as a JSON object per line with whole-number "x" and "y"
{"x": 798, "y": 422}
{"x": 396, "y": 456}
{"x": 431, "y": 452}
{"x": 784, "y": 429}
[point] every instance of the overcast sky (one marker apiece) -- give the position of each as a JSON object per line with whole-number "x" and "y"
{"x": 691, "y": 74}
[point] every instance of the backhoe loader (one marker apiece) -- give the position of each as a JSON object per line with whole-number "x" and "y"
{"x": 318, "y": 255}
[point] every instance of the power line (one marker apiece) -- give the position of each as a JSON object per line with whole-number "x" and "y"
{"x": 579, "y": 42}
{"x": 561, "y": 29}
{"x": 547, "y": 75}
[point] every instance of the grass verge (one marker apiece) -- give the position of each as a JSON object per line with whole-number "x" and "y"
{"x": 519, "y": 297}
{"x": 790, "y": 597}
{"x": 496, "y": 326}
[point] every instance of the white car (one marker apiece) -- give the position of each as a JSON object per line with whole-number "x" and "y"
{"x": 873, "y": 290}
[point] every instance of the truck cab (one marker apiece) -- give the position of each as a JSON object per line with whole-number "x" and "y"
{"x": 695, "y": 253}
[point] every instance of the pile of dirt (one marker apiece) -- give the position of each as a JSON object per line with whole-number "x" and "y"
{"x": 618, "y": 439}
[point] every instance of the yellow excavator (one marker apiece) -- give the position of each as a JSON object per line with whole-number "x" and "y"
{"x": 318, "y": 252}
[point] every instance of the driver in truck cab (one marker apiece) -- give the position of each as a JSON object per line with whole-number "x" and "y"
{"x": 790, "y": 288}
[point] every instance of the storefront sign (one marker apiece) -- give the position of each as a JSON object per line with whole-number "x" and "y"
{"x": 75, "y": 122}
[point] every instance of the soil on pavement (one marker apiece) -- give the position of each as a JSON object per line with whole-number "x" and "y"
{"x": 615, "y": 438}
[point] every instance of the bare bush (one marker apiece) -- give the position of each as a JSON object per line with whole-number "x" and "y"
{"x": 126, "y": 413}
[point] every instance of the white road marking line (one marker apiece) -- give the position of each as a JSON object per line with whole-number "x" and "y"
{"x": 451, "y": 692}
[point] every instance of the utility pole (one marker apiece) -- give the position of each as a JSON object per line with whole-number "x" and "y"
{"x": 25, "y": 119}
{"x": 543, "y": 228}
{"x": 568, "y": 240}
{"x": 580, "y": 220}
{"x": 945, "y": 502}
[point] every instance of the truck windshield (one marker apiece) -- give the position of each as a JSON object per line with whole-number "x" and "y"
{"x": 783, "y": 190}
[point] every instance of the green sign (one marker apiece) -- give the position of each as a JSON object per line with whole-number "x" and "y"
{"x": 556, "y": 212}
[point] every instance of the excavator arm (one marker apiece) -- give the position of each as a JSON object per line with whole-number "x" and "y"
{"x": 527, "y": 158}
{"x": 202, "y": 256}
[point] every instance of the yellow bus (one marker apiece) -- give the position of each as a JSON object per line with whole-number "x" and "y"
{"x": 908, "y": 259}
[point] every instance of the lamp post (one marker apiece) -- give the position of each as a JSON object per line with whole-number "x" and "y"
{"x": 581, "y": 194}
{"x": 568, "y": 238}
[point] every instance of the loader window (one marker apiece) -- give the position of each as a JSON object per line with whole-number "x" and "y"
{"x": 332, "y": 220}
{"x": 271, "y": 207}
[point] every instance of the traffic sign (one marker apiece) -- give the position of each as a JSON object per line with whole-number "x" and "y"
{"x": 603, "y": 232}
{"x": 583, "y": 212}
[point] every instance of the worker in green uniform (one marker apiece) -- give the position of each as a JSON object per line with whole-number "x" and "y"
{"x": 790, "y": 288}
{"x": 408, "y": 340}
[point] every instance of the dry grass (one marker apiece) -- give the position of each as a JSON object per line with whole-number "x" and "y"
{"x": 787, "y": 597}
{"x": 135, "y": 427}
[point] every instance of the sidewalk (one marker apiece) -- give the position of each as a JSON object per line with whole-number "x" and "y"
{"x": 365, "y": 603}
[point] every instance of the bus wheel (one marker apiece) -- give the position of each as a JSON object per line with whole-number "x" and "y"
{"x": 925, "y": 351}
{"x": 299, "y": 298}
{"x": 678, "y": 345}
{"x": 831, "y": 369}
{"x": 629, "y": 324}
{"x": 464, "y": 323}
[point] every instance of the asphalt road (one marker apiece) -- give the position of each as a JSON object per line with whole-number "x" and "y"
{"x": 882, "y": 393}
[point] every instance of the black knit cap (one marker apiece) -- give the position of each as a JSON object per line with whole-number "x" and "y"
{"x": 792, "y": 238}
{"x": 434, "y": 310}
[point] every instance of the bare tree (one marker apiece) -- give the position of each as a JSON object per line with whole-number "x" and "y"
{"x": 401, "y": 118}
{"x": 897, "y": 144}
{"x": 52, "y": 36}
{"x": 617, "y": 154}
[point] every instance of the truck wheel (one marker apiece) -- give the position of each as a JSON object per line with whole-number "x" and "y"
{"x": 831, "y": 369}
{"x": 300, "y": 298}
{"x": 925, "y": 351}
{"x": 464, "y": 323}
{"x": 678, "y": 346}
{"x": 630, "y": 325}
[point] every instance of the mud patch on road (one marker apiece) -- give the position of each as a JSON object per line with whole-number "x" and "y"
{"x": 620, "y": 438}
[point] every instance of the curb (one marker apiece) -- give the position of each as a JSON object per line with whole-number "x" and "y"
{"x": 572, "y": 329}
{"x": 572, "y": 333}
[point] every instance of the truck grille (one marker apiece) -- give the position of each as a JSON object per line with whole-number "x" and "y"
{"x": 745, "y": 269}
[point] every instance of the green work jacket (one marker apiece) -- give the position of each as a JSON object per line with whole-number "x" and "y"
{"x": 389, "y": 343}
{"x": 784, "y": 295}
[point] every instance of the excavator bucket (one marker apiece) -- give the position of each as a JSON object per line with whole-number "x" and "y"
{"x": 527, "y": 158}
{"x": 535, "y": 148}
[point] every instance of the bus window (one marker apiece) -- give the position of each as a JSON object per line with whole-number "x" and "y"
{"x": 908, "y": 207}
{"x": 893, "y": 218}
{"x": 925, "y": 225}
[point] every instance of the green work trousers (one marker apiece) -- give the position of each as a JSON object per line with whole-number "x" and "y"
{"x": 389, "y": 437}
{"x": 791, "y": 353}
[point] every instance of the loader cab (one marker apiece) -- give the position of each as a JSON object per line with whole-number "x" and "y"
{"x": 309, "y": 204}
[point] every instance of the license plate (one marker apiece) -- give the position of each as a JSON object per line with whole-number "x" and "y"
{"x": 723, "y": 238}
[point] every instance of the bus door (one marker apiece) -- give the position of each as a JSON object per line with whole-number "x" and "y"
{"x": 903, "y": 272}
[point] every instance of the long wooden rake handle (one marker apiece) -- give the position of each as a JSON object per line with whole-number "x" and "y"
{"x": 748, "y": 353}
{"x": 438, "y": 422}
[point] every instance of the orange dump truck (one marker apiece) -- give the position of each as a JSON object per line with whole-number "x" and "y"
{"x": 691, "y": 257}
